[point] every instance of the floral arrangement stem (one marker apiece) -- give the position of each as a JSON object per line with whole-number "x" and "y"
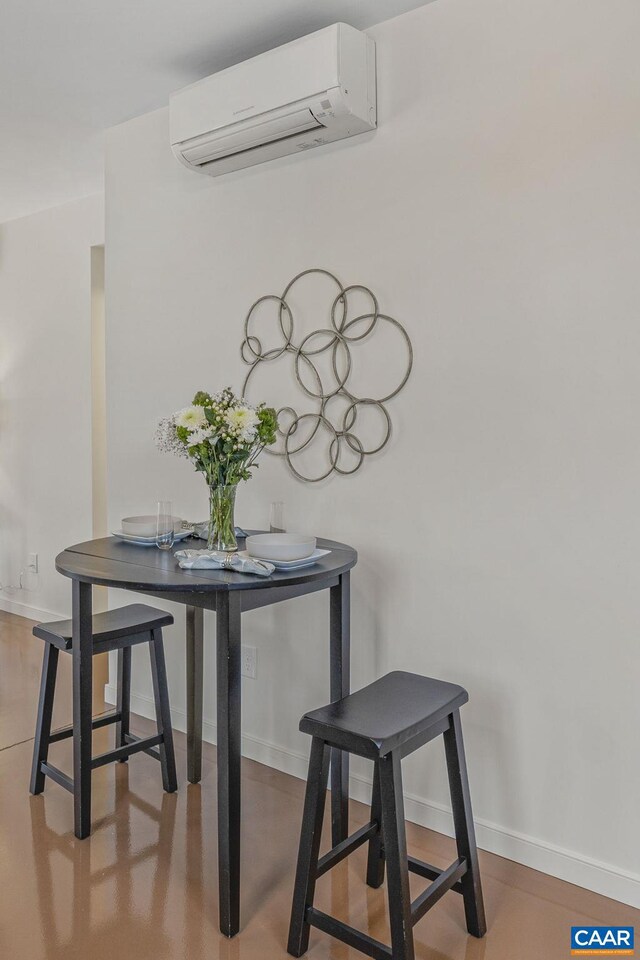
{"x": 222, "y": 500}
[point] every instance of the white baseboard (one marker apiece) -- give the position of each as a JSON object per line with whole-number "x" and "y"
{"x": 29, "y": 612}
{"x": 602, "y": 878}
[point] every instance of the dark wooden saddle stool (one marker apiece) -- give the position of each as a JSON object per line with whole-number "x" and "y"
{"x": 114, "y": 630}
{"x": 385, "y": 722}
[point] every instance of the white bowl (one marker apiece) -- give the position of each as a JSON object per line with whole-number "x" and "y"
{"x": 146, "y": 526}
{"x": 280, "y": 546}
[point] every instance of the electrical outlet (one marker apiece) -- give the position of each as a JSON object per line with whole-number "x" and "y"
{"x": 32, "y": 563}
{"x": 249, "y": 662}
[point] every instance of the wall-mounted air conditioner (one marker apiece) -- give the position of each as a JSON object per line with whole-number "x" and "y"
{"x": 309, "y": 92}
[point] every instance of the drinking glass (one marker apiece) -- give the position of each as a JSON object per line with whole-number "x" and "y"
{"x": 164, "y": 525}
{"x": 276, "y": 517}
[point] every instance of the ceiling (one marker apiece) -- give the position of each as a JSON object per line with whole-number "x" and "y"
{"x": 70, "y": 69}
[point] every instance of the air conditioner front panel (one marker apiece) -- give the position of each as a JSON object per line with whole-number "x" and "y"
{"x": 246, "y": 135}
{"x": 295, "y": 72}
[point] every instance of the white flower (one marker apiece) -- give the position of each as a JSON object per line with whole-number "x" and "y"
{"x": 200, "y": 435}
{"x": 243, "y": 421}
{"x": 191, "y": 418}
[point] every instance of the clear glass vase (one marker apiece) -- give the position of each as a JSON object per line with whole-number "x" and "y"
{"x": 222, "y": 535}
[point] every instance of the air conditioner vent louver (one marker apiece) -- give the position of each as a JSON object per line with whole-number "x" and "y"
{"x": 247, "y": 135}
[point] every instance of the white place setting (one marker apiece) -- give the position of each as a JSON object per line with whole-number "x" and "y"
{"x": 286, "y": 551}
{"x": 143, "y": 530}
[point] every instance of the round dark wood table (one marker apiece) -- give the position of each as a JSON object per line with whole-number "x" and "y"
{"x": 155, "y": 573}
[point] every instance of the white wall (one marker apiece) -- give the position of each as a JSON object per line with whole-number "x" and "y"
{"x": 495, "y": 212}
{"x": 45, "y": 397}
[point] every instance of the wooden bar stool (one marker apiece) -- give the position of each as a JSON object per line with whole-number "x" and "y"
{"x": 114, "y": 630}
{"x": 385, "y": 722}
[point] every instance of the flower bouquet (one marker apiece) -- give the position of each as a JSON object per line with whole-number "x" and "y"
{"x": 223, "y": 437}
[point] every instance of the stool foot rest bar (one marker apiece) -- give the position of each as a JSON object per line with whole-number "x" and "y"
{"x": 121, "y": 753}
{"x": 349, "y": 935}
{"x": 443, "y": 881}
{"x": 63, "y": 733}
{"x": 347, "y": 846}
{"x": 147, "y": 748}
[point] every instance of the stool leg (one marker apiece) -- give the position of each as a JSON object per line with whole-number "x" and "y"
{"x": 45, "y": 711}
{"x": 395, "y": 849}
{"x": 463, "y": 823}
{"x": 375, "y": 859}
{"x": 163, "y": 712}
{"x": 123, "y": 697}
{"x": 311, "y": 832}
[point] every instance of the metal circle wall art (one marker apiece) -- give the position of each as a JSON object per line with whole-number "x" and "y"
{"x": 298, "y": 431}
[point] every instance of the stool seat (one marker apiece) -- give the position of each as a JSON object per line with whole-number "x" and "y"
{"x": 386, "y": 715}
{"x": 111, "y": 625}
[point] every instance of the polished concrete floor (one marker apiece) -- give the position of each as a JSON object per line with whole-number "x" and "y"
{"x": 144, "y": 884}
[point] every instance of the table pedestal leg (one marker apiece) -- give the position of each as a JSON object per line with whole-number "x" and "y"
{"x": 194, "y": 693}
{"x": 228, "y": 683}
{"x": 340, "y": 654}
{"x": 82, "y": 652}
